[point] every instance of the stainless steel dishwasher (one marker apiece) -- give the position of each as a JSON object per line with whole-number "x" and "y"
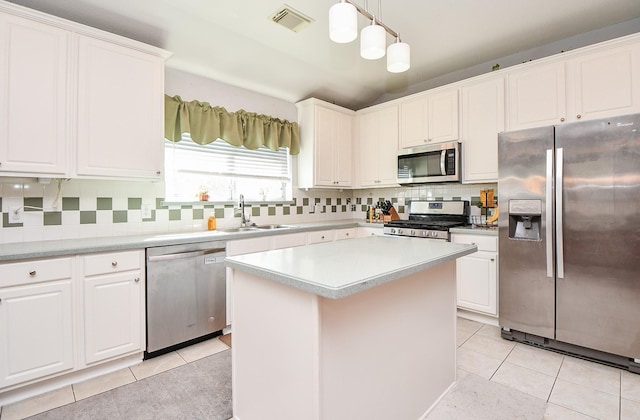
{"x": 186, "y": 294}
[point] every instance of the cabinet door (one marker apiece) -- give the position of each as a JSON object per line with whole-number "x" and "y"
{"x": 443, "y": 116}
{"x": 288, "y": 241}
{"x": 342, "y": 148}
{"x": 368, "y": 136}
{"x": 112, "y": 315}
{"x": 387, "y": 164}
{"x": 413, "y": 122}
{"x": 605, "y": 83}
{"x": 482, "y": 120}
{"x": 362, "y": 232}
{"x": 324, "y": 144}
{"x": 33, "y": 94}
{"x": 345, "y": 234}
{"x": 321, "y": 236}
{"x": 477, "y": 282}
{"x": 537, "y": 96}
{"x": 36, "y": 331}
{"x": 120, "y": 111}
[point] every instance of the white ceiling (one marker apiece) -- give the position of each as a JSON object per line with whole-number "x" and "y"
{"x": 235, "y": 42}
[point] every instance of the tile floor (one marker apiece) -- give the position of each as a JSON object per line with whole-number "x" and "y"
{"x": 571, "y": 388}
{"x": 83, "y": 390}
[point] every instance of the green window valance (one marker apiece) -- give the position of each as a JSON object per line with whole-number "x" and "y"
{"x": 206, "y": 123}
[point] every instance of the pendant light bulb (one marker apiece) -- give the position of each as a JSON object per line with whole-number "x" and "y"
{"x": 373, "y": 41}
{"x": 343, "y": 22}
{"x": 398, "y": 57}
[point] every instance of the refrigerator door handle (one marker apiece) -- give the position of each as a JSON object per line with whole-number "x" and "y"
{"x": 549, "y": 213}
{"x": 559, "y": 211}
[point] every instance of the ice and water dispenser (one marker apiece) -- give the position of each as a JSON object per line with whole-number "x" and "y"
{"x": 525, "y": 219}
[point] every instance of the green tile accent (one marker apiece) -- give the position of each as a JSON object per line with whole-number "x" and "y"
{"x": 198, "y": 214}
{"x": 229, "y": 206}
{"x": 358, "y": 200}
{"x": 299, "y": 210}
{"x": 255, "y": 211}
{"x": 271, "y": 211}
{"x": 394, "y": 200}
{"x": 70, "y": 203}
{"x": 317, "y": 200}
{"x": 219, "y": 213}
{"x": 339, "y": 201}
{"x": 175, "y": 214}
{"x": 87, "y": 217}
{"x": 209, "y": 206}
{"x": 134, "y": 203}
{"x": 343, "y": 208}
{"x": 159, "y": 205}
{"x": 327, "y": 201}
{"x": 456, "y": 198}
{"x": 333, "y": 209}
{"x": 186, "y": 206}
{"x": 120, "y": 216}
{"x": 363, "y": 207}
{"x": 439, "y": 198}
{"x": 369, "y": 200}
{"x": 32, "y": 202}
{"x": 305, "y": 201}
{"x": 5, "y": 221}
{"x": 400, "y": 209}
{"x": 104, "y": 203}
{"x": 286, "y": 211}
{"x": 52, "y": 218}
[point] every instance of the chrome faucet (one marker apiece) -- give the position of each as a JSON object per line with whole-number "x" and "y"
{"x": 244, "y": 219}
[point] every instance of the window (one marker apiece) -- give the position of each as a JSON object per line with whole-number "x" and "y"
{"x": 225, "y": 171}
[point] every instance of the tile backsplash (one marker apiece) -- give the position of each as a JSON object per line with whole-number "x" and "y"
{"x": 88, "y": 208}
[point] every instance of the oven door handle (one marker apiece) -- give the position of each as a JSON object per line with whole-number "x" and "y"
{"x": 443, "y": 156}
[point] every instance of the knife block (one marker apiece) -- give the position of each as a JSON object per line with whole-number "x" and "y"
{"x": 393, "y": 215}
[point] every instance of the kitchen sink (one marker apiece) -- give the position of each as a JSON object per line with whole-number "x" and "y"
{"x": 272, "y": 226}
{"x": 238, "y": 229}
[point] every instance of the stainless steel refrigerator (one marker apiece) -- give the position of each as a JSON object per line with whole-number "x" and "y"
{"x": 569, "y": 237}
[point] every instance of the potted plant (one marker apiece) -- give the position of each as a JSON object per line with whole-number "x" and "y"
{"x": 203, "y": 194}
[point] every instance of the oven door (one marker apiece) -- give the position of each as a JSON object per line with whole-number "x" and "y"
{"x": 432, "y": 163}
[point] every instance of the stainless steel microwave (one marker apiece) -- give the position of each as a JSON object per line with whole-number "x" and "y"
{"x": 430, "y": 163}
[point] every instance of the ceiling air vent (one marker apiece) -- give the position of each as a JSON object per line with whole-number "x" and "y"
{"x": 291, "y": 18}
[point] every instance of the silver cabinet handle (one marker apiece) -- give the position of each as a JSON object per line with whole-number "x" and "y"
{"x": 493, "y": 259}
{"x": 548, "y": 211}
{"x": 137, "y": 279}
{"x": 32, "y": 273}
{"x": 562, "y": 119}
{"x": 578, "y": 116}
{"x": 559, "y": 211}
{"x": 114, "y": 263}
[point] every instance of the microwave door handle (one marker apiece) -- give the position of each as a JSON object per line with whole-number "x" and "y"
{"x": 443, "y": 169}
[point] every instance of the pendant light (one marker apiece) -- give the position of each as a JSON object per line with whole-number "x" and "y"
{"x": 398, "y": 57}
{"x": 343, "y": 22}
{"x": 373, "y": 41}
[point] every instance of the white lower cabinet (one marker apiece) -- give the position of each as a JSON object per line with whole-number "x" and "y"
{"x": 36, "y": 320}
{"x": 113, "y": 305}
{"x": 61, "y": 315}
{"x": 477, "y": 275}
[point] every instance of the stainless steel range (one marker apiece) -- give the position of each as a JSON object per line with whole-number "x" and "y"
{"x": 431, "y": 219}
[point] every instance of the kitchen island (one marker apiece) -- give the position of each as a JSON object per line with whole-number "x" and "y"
{"x": 353, "y": 329}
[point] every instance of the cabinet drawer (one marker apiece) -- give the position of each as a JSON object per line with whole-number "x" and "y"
{"x": 345, "y": 234}
{"x": 484, "y": 243}
{"x": 112, "y": 262}
{"x": 321, "y": 236}
{"x": 35, "y": 271}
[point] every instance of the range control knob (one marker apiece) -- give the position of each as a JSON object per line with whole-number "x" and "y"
{"x": 413, "y": 232}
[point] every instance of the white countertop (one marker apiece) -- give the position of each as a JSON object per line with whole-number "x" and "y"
{"x": 53, "y": 248}
{"x": 342, "y": 268}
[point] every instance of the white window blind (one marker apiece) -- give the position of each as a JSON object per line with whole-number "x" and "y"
{"x": 226, "y": 171}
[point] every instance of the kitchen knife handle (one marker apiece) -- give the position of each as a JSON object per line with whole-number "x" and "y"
{"x": 559, "y": 212}
{"x": 549, "y": 213}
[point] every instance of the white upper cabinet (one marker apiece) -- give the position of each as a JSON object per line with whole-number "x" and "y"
{"x": 429, "y": 118}
{"x": 325, "y": 158}
{"x": 77, "y": 102}
{"x": 596, "y": 82}
{"x": 120, "y": 111}
{"x": 377, "y": 147}
{"x": 34, "y": 95}
{"x": 482, "y": 118}
{"x": 537, "y": 96}
{"x": 604, "y": 83}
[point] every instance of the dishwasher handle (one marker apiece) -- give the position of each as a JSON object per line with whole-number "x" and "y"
{"x": 180, "y": 255}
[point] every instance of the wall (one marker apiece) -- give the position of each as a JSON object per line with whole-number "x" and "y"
{"x": 88, "y": 208}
